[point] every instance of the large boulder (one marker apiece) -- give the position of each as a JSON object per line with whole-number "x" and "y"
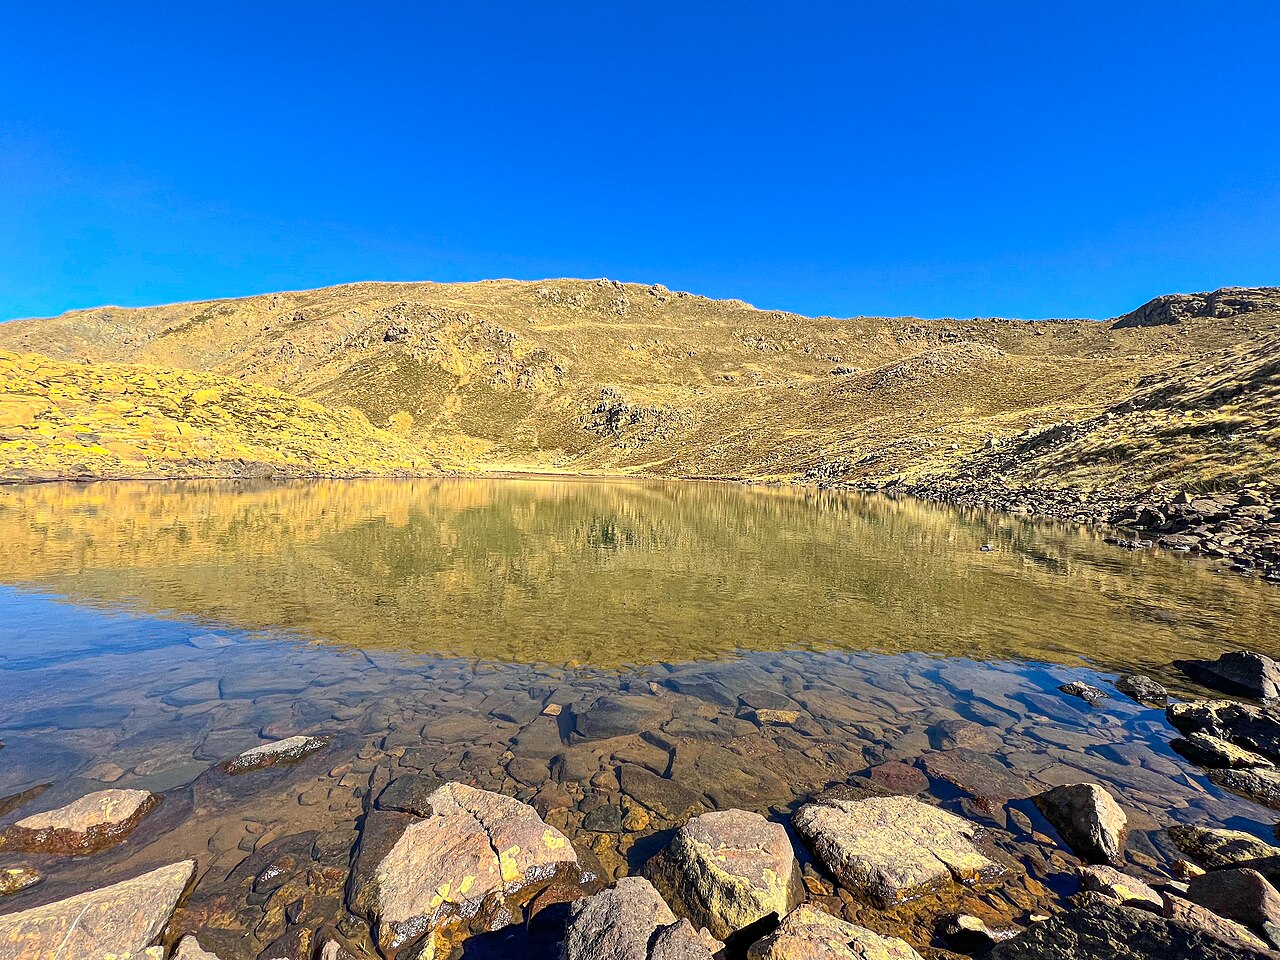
{"x": 472, "y": 864}
{"x": 94, "y": 822}
{"x": 1240, "y": 672}
{"x": 1088, "y": 819}
{"x": 890, "y": 849}
{"x": 631, "y": 921}
{"x": 1097, "y": 928}
{"x": 810, "y": 934}
{"x": 1242, "y": 895}
{"x": 726, "y": 870}
{"x": 121, "y": 920}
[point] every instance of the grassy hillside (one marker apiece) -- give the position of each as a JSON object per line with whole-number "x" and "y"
{"x": 68, "y": 420}
{"x": 582, "y": 376}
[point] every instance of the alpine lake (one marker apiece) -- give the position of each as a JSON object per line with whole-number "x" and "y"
{"x": 620, "y": 655}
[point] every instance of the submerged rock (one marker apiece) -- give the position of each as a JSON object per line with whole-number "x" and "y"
{"x": 94, "y": 822}
{"x": 1088, "y": 819}
{"x": 1211, "y": 847}
{"x": 727, "y": 870}
{"x": 1240, "y": 672}
{"x": 892, "y": 848}
{"x": 475, "y": 861}
{"x": 1085, "y": 691}
{"x": 1101, "y": 929}
{"x": 1143, "y": 689}
{"x": 121, "y": 920}
{"x": 808, "y": 933}
{"x": 19, "y": 877}
{"x": 289, "y": 750}
{"x": 630, "y": 921}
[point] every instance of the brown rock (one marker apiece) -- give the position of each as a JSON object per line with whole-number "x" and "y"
{"x": 628, "y": 922}
{"x": 94, "y": 822}
{"x": 19, "y": 877}
{"x": 289, "y": 750}
{"x": 808, "y": 933}
{"x": 1119, "y": 886}
{"x": 1088, "y": 819}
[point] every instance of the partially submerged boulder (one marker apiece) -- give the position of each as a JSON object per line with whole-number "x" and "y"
{"x": 1241, "y": 672}
{"x": 471, "y": 864}
{"x": 631, "y": 921}
{"x": 727, "y": 870}
{"x": 1143, "y": 689}
{"x": 890, "y": 849}
{"x": 1210, "y": 751}
{"x": 1212, "y": 847}
{"x": 1088, "y": 819}
{"x": 808, "y": 933}
{"x": 1260, "y": 785}
{"x": 121, "y": 920}
{"x": 1247, "y": 725}
{"x": 94, "y": 822}
{"x": 289, "y": 750}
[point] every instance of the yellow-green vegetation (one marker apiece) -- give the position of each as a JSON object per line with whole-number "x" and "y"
{"x": 601, "y": 377}
{"x": 61, "y": 419}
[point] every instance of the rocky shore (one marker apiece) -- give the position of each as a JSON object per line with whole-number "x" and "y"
{"x": 876, "y": 865}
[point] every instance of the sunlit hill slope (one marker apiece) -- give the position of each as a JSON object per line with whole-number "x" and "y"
{"x": 599, "y": 376}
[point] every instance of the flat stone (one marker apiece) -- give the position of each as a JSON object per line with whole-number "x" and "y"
{"x": 94, "y": 822}
{"x": 1212, "y": 847}
{"x": 289, "y": 750}
{"x": 1088, "y": 819}
{"x": 1209, "y": 751}
{"x": 471, "y": 864}
{"x": 409, "y": 794}
{"x": 1101, "y": 929}
{"x": 121, "y": 920}
{"x": 962, "y": 734}
{"x": 624, "y": 923}
{"x": 1119, "y": 887}
{"x": 975, "y": 773}
{"x": 808, "y": 933}
{"x": 892, "y": 848}
{"x": 728, "y": 869}
{"x": 662, "y": 795}
{"x": 898, "y": 778}
{"x": 621, "y": 715}
{"x": 1240, "y": 672}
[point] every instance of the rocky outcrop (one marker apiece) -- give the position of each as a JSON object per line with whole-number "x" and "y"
{"x": 727, "y": 870}
{"x": 471, "y": 864}
{"x": 121, "y": 920}
{"x": 1209, "y": 751}
{"x": 289, "y": 750}
{"x": 1255, "y": 728}
{"x": 1241, "y": 672}
{"x": 1174, "y": 308}
{"x": 1211, "y": 847}
{"x": 810, "y": 934}
{"x": 889, "y": 849}
{"x": 1088, "y": 819}
{"x": 94, "y": 822}
{"x": 630, "y": 921}
{"x": 1242, "y": 895}
{"x": 1101, "y": 929}
{"x": 1259, "y": 785}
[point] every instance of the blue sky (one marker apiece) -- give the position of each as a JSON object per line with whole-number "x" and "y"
{"x": 939, "y": 159}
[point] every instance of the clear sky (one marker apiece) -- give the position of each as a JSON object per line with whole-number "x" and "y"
{"x": 1025, "y": 158}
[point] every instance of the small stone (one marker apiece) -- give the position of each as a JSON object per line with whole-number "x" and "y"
{"x": 808, "y": 933}
{"x": 1119, "y": 886}
{"x": 1086, "y": 692}
{"x": 289, "y": 750}
{"x": 1088, "y": 819}
{"x": 17, "y": 878}
{"x": 969, "y": 934}
{"x": 766, "y": 717}
{"x": 728, "y": 869}
{"x": 552, "y": 710}
{"x": 605, "y": 819}
{"x": 1143, "y": 689}
{"x": 94, "y": 822}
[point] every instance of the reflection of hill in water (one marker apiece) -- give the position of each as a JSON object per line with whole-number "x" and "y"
{"x": 617, "y": 572}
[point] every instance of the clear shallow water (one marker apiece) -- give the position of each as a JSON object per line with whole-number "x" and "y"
{"x": 148, "y": 631}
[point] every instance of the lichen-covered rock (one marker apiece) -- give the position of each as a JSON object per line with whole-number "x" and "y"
{"x": 1212, "y": 847}
{"x": 472, "y": 864}
{"x": 18, "y": 877}
{"x": 94, "y": 822}
{"x": 726, "y": 870}
{"x": 808, "y": 933}
{"x": 1088, "y": 819}
{"x": 892, "y": 848}
{"x": 1209, "y": 751}
{"x": 1261, "y": 785}
{"x": 121, "y": 920}
{"x": 1244, "y": 724}
{"x": 631, "y": 921}
{"x": 1119, "y": 887}
{"x": 1241, "y": 672}
{"x": 289, "y": 750}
